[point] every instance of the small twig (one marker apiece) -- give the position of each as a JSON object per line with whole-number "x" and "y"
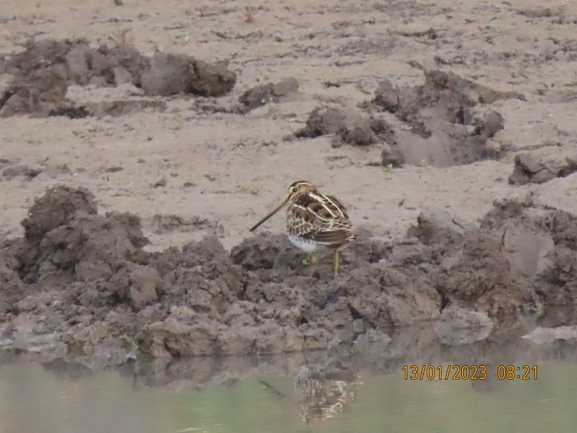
{"x": 248, "y": 17}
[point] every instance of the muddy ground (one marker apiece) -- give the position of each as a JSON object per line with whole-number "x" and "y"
{"x": 163, "y": 134}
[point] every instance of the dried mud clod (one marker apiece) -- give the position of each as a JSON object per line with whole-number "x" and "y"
{"x": 435, "y": 226}
{"x": 440, "y": 114}
{"x": 42, "y": 73}
{"x": 84, "y": 284}
{"x": 540, "y": 167}
{"x": 465, "y": 265}
{"x": 170, "y": 74}
{"x": 20, "y": 171}
{"x": 39, "y": 93}
{"x": 56, "y": 208}
{"x": 445, "y": 127}
{"x": 482, "y": 277}
{"x": 348, "y": 125}
{"x": 260, "y": 252}
{"x": 449, "y": 97}
{"x": 489, "y": 124}
{"x": 266, "y": 93}
{"x": 542, "y": 244}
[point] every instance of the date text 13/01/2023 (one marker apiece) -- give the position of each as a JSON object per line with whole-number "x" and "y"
{"x": 468, "y": 372}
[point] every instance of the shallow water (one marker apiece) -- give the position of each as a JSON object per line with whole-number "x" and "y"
{"x": 289, "y": 394}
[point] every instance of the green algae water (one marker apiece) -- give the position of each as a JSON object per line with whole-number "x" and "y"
{"x": 179, "y": 397}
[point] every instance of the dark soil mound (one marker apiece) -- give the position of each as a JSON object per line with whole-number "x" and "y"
{"x": 79, "y": 283}
{"x": 348, "y": 125}
{"x": 44, "y": 70}
{"x": 539, "y": 168}
{"x": 444, "y": 128}
{"x": 266, "y": 93}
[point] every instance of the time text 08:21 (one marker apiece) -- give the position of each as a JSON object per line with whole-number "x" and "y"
{"x": 468, "y": 372}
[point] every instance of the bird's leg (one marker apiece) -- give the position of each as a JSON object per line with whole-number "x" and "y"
{"x": 336, "y": 263}
{"x": 313, "y": 263}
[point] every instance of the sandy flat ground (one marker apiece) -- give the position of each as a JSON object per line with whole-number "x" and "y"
{"x": 240, "y": 165}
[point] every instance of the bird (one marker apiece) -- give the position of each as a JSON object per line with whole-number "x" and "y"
{"x": 314, "y": 222}
{"x": 325, "y": 393}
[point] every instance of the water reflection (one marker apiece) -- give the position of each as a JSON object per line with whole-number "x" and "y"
{"x": 315, "y": 373}
{"x": 344, "y": 389}
{"x": 319, "y": 395}
{"x": 323, "y": 394}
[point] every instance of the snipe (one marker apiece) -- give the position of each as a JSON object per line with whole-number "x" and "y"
{"x": 315, "y": 221}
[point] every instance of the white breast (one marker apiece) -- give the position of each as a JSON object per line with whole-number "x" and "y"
{"x": 303, "y": 244}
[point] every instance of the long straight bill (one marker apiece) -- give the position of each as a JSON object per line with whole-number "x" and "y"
{"x": 258, "y": 224}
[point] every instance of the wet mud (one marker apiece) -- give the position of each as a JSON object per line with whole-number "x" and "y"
{"x": 327, "y": 382}
{"x": 80, "y": 284}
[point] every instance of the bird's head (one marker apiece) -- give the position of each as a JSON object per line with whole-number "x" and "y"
{"x": 297, "y": 190}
